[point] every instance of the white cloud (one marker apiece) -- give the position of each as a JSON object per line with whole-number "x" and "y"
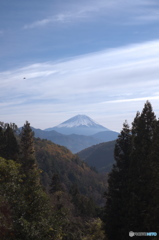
{"x": 43, "y": 22}
{"x": 59, "y": 18}
{"x": 120, "y": 67}
{"x": 133, "y": 99}
{"x": 135, "y": 12}
{"x": 114, "y": 80}
{"x": 40, "y": 23}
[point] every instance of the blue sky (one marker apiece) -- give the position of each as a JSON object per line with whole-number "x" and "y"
{"x": 62, "y": 58}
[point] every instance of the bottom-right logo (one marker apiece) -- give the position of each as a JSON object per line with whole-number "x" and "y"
{"x": 139, "y": 234}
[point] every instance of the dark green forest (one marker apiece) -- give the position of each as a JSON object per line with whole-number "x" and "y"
{"x": 132, "y": 198}
{"x": 46, "y": 192}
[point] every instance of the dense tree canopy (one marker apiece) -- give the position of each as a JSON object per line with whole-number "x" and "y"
{"x": 26, "y": 203}
{"x": 133, "y": 195}
{"x": 27, "y": 211}
{"x": 9, "y": 148}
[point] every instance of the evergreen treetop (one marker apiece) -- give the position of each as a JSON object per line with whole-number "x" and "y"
{"x": 133, "y": 179}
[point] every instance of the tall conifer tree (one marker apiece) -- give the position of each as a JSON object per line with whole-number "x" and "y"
{"x": 2, "y": 142}
{"x": 117, "y": 194}
{"x": 27, "y": 148}
{"x": 9, "y": 148}
{"x": 34, "y": 220}
{"x": 140, "y": 171}
{"x": 133, "y": 193}
{"x": 152, "y": 216}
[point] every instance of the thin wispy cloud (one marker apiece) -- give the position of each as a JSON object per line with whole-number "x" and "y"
{"x": 41, "y": 23}
{"x": 135, "y": 58}
{"x": 136, "y": 12}
{"x": 123, "y": 66}
{"x": 88, "y": 81}
{"x": 63, "y": 18}
{"x": 133, "y": 99}
{"x": 150, "y": 17}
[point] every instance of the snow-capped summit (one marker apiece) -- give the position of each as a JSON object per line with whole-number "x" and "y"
{"x": 79, "y": 124}
{"x": 79, "y": 120}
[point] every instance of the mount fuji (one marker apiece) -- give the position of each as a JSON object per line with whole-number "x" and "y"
{"x": 80, "y": 124}
{"x": 77, "y": 133}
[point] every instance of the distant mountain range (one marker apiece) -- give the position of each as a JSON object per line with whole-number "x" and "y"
{"x": 77, "y": 133}
{"x": 73, "y": 142}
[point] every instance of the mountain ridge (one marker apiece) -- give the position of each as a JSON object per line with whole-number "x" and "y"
{"x": 74, "y": 142}
{"x": 100, "y": 156}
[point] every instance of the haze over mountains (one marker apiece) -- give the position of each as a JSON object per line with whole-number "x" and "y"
{"x": 77, "y": 133}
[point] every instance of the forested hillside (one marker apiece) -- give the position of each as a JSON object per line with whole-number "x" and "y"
{"x": 100, "y": 156}
{"x": 46, "y": 192}
{"x": 57, "y": 160}
{"x": 65, "y": 206}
